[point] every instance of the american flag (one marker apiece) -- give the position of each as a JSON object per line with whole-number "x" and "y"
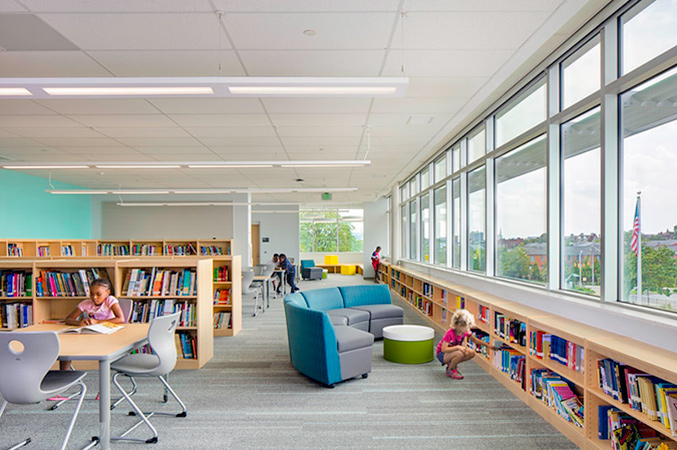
{"x": 634, "y": 239}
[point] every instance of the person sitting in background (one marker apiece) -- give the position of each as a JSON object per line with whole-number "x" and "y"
{"x": 290, "y": 272}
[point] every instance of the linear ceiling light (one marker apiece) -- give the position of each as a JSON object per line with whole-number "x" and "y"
{"x": 194, "y": 191}
{"x": 44, "y": 166}
{"x": 203, "y": 87}
{"x": 233, "y": 165}
{"x": 190, "y": 165}
{"x": 203, "y": 203}
{"x": 138, "y": 166}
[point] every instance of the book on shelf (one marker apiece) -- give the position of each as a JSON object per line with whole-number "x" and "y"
{"x": 146, "y": 311}
{"x": 97, "y": 328}
{"x": 16, "y": 315}
{"x": 159, "y": 282}
{"x": 222, "y": 297}
{"x": 15, "y": 283}
{"x": 671, "y": 406}
{"x": 221, "y": 274}
{"x": 65, "y": 284}
{"x": 558, "y": 394}
{"x": 186, "y": 345}
{"x": 222, "y": 320}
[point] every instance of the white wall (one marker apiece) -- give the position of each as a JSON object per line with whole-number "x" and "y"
{"x": 166, "y": 222}
{"x": 281, "y": 229}
{"x": 375, "y": 233}
{"x": 242, "y": 228}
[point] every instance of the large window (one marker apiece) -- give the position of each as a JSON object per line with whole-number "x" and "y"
{"x": 441, "y": 225}
{"x": 581, "y": 204}
{"x": 425, "y": 228}
{"x": 527, "y": 111}
{"x": 477, "y": 144}
{"x": 440, "y": 167}
{"x": 477, "y": 247}
{"x": 521, "y": 244}
{"x": 647, "y": 31}
{"x": 649, "y": 193}
{"x": 456, "y": 223}
{"x": 331, "y": 231}
{"x": 581, "y": 73}
{"x": 413, "y": 236}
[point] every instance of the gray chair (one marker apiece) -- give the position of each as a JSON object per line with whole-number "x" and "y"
{"x": 158, "y": 364}
{"x": 25, "y": 377}
{"x": 248, "y": 289}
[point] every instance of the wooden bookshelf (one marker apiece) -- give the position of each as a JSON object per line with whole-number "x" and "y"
{"x": 227, "y": 275}
{"x": 93, "y": 248}
{"x": 585, "y": 346}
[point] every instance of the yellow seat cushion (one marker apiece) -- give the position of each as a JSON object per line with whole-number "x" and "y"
{"x": 331, "y": 259}
{"x": 347, "y": 269}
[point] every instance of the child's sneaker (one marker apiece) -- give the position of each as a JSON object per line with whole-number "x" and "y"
{"x": 455, "y": 374}
{"x": 57, "y": 398}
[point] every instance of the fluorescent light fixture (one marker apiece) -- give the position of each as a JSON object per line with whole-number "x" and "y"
{"x": 232, "y": 165}
{"x": 43, "y": 166}
{"x": 19, "y": 91}
{"x": 138, "y": 166}
{"x": 356, "y": 163}
{"x": 120, "y": 87}
{"x": 195, "y": 191}
{"x": 148, "y": 91}
{"x": 203, "y": 203}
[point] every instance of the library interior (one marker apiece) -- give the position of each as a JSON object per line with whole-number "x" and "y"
{"x": 502, "y": 158}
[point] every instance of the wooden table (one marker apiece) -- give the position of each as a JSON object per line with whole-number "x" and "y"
{"x": 105, "y": 349}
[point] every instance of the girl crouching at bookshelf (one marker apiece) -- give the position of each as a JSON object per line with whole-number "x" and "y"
{"x": 453, "y": 349}
{"x": 101, "y": 306}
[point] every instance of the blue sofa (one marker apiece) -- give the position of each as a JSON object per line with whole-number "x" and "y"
{"x": 331, "y": 331}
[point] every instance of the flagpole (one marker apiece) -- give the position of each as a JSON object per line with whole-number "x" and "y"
{"x": 639, "y": 250}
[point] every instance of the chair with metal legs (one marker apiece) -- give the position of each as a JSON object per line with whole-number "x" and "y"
{"x": 25, "y": 378}
{"x": 158, "y": 364}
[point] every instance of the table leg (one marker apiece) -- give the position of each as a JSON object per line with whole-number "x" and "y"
{"x": 104, "y": 404}
{"x": 266, "y": 287}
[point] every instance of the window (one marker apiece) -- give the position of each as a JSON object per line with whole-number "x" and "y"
{"x": 331, "y": 231}
{"x": 456, "y": 223}
{"x": 425, "y": 228}
{"x": 581, "y": 203}
{"x": 441, "y": 225}
{"x": 413, "y": 223}
{"x": 581, "y": 73}
{"x": 649, "y": 166}
{"x": 647, "y": 30}
{"x": 404, "y": 192}
{"x": 521, "y": 213}
{"x": 476, "y": 220}
{"x": 425, "y": 178}
{"x": 441, "y": 168}
{"x": 477, "y": 144}
{"x": 527, "y": 111}
{"x": 404, "y": 227}
{"x": 455, "y": 158}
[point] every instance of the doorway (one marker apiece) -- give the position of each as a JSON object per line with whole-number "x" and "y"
{"x": 256, "y": 240}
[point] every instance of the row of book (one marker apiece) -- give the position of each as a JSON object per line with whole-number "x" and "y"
{"x": 68, "y": 250}
{"x": 627, "y": 432}
{"x": 65, "y": 284}
{"x": 44, "y": 251}
{"x": 544, "y": 345}
{"x": 16, "y": 315}
{"x": 483, "y": 314}
{"x": 222, "y": 320}
{"x": 221, "y": 274}
{"x": 222, "y": 297}
{"x": 15, "y": 283}
{"x": 641, "y": 391}
{"x": 558, "y": 394}
{"x": 512, "y": 330}
{"x": 211, "y": 250}
{"x": 427, "y": 290}
{"x": 159, "y": 282}
{"x": 479, "y": 348}
{"x": 510, "y": 361}
{"x": 112, "y": 250}
{"x": 144, "y": 312}
{"x": 145, "y": 250}
{"x": 15, "y": 250}
{"x": 186, "y": 345}
{"x": 186, "y": 249}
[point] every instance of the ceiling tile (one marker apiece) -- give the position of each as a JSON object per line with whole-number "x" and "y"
{"x": 250, "y": 149}
{"x": 419, "y": 105}
{"x": 223, "y": 120}
{"x": 155, "y": 151}
{"x": 170, "y": 63}
{"x": 317, "y": 105}
{"x": 128, "y": 132}
{"x": 313, "y": 120}
{"x": 37, "y": 121}
{"x": 381, "y": 119}
{"x": 240, "y": 141}
{"x": 92, "y": 152}
{"x": 18, "y": 107}
{"x": 306, "y": 5}
{"x": 210, "y": 132}
{"x": 49, "y": 64}
{"x": 321, "y": 141}
{"x": 157, "y": 142}
{"x": 320, "y": 131}
{"x": 26, "y": 32}
{"x": 78, "y": 142}
{"x": 63, "y": 6}
{"x": 189, "y": 31}
{"x": 445, "y": 86}
{"x": 124, "y": 120}
{"x": 360, "y": 30}
{"x": 208, "y": 105}
{"x": 481, "y": 5}
{"x": 64, "y": 132}
{"x": 99, "y": 106}
{"x": 11, "y": 6}
{"x": 312, "y": 63}
{"x": 446, "y": 63}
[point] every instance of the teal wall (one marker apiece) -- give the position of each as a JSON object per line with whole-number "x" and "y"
{"x": 28, "y": 212}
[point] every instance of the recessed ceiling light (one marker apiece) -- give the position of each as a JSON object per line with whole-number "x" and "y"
{"x": 140, "y": 91}
{"x": 14, "y": 91}
{"x": 139, "y": 166}
{"x": 313, "y": 90}
{"x": 310, "y": 32}
{"x": 60, "y": 166}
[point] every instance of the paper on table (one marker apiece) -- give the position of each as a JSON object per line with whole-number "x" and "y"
{"x": 98, "y": 328}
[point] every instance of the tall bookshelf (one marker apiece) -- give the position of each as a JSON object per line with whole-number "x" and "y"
{"x": 568, "y": 350}
{"x": 50, "y": 289}
{"x": 227, "y": 295}
{"x": 90, "y": 248}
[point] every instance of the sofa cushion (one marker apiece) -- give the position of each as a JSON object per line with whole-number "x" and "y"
{"x": 296, "y": 299}
{"x": 381, "y": 311}
{"x": 352, "y": 316}
{"x": 323, "y": 299}
{"x": 348, "y": 338}
{"x": 338, "y": 320}
{"x": 365, "y": 295}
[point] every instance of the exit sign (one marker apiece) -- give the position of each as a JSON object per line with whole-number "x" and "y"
{"x": 326, "y": 196}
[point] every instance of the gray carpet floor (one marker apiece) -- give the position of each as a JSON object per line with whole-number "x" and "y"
{"x": 250, "y": 397}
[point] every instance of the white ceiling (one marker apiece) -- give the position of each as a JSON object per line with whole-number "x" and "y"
{"x": 456, "y": 53}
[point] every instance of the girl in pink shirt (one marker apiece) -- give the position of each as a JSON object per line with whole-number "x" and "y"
{"x": 452, "y": 349}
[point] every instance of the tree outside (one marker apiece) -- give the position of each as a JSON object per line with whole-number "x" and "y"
{"x": 325, "y": 232}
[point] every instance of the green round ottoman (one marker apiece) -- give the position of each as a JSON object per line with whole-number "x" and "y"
{"x": 408, "y": 344}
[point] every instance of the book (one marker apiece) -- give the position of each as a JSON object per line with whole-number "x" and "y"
{"x": 671, "y": 406}
{"x": 97, "y": 328}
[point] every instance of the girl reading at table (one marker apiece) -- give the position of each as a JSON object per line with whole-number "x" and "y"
{"x": 101, "y": 306}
